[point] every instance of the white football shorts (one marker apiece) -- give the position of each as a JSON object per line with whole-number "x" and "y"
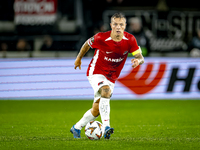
{"x": 97, "y": 81}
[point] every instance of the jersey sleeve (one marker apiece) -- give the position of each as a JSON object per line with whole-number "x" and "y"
{"x": 94, "y": 41}
{"x": 135, "y": 49}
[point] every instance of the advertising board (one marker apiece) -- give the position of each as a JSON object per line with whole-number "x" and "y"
{"x": 35, "y": 12}
{"x": 157, "y": 78}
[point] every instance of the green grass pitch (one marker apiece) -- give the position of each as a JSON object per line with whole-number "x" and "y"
{"x": 139, "y": 125}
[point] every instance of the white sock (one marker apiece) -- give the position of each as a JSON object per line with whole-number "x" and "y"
{"x": 87, "y": 117}
{"x": 104, "y": 109}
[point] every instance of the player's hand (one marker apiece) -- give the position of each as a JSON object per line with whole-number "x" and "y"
{"x": 135, "y": 62}
{"x": 77, "y": 63}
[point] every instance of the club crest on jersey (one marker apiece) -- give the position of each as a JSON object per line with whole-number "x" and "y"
{"x": 113, "y": 60}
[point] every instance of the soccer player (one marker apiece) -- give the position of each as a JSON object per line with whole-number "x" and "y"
{"x": 111, "y": 50}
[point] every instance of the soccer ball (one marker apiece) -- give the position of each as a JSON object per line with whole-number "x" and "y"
{"x": 93, "y": 130}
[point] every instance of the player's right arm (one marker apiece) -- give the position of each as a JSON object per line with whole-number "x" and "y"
{"x": 80, "y": 55}
{"x": 91, "y": 42}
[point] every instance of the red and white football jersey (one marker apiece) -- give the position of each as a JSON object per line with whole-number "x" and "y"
{"x": 110, "y": 56}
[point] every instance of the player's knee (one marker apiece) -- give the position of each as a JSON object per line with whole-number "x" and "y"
{"x": 105, "y": 91}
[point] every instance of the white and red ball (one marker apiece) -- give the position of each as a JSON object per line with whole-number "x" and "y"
{"x": 94, "y": 130}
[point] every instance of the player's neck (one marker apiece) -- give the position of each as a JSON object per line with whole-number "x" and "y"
{"x": 115, "y": 37}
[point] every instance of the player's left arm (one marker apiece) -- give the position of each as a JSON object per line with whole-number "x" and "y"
{"x": 136, "y": 52}
{"x": 138, "y": 60}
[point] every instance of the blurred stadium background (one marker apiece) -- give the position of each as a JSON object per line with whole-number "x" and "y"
{"x": 39, "y": 40}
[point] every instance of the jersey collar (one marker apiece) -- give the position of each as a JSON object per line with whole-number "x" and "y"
{"x": 111, "y": 38}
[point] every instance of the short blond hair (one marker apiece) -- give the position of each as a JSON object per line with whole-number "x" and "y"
{"x": 118, "y": 15}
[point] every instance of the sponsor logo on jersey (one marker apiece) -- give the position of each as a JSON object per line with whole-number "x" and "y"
{"x": 113, "y": 60}
{"x": 125, "y": 52}
{"x": 100, "y": 83}
{"x": 92, "y": 39}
